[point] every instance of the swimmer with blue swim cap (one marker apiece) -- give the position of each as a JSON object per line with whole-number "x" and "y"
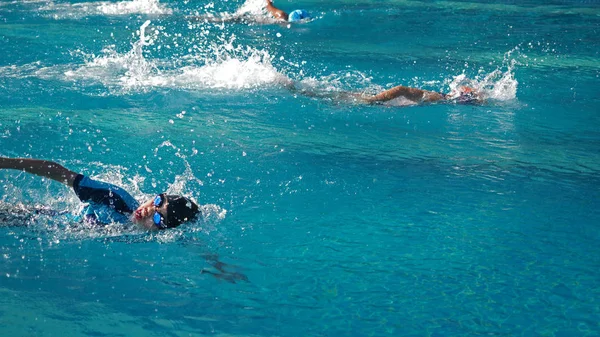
{"x": 294, "y": 16}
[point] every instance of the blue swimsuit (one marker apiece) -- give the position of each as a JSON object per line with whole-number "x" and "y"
{"x": 107, "y": 203}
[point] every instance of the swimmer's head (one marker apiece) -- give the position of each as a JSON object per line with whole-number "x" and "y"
{"x": 180, "y": 209}
{"x": 297, "y": 15}
{"x": 456, "y": 92}
{"x": 165, "y": 211}
{"x": 464, "y": 94}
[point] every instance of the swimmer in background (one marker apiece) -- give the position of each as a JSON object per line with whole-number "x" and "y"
{"x": 293, "y": 16}
{"x": 459, "y": 95}
{"x": 462, "y": 95}
{"x": 109, "y": 203}
{"x": 276, "y": 13}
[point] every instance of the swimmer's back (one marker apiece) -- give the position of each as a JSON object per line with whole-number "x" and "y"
{"x": 89, "y": 190}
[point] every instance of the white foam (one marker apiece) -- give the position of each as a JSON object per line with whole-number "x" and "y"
{"x": 129, "y": 70}
{"x": 254, "y": 70}
{"x": 22, "y": 71}
{"x": 250, "y": 12}
{"x": 21, "y": 2}
{"x": 79, "y": 10}
{"x": 221, "y": 65}
{"x": 134, "y": 7}
{"x": 252, "y": 7}
{"x": 498, "y": 85}
{"x": 337, "y": 86}
{"x": 225, "y": 66}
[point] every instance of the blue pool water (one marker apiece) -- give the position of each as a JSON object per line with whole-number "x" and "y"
{"x": 332, "y": 218}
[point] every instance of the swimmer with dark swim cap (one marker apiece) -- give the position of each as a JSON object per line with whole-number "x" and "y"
{"x": 168, "y": 211}
{"x": 109, "y": 203}
{"x": 294, "y": 16}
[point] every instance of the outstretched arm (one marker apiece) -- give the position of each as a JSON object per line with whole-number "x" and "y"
{"x": 40, "y": 167}
{"x": 276, "y": 12}
{"x": 413, "y": 94}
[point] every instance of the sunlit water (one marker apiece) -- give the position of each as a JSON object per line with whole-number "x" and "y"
{"x": 332, "y": 218}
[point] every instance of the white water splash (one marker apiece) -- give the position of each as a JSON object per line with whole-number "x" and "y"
{"x": 498, "y": 85}
{"x": 20, "y": 2}
{"x": 189, "y": 185}
{"x": 353, "y": 86}
{"x": 254, "y": 7}
{"x": 80, "y": 10}
{"x": 224, "y": 66}
{"x": 253, "y": 70}
{"x": 250, "y": 12}
{"x": 134, "y": 7}
{"x": 345, "y": 81}
{"x": 130, "y": 70}
{"x": 337, "y": 87}
{"x": 23, "y": 71}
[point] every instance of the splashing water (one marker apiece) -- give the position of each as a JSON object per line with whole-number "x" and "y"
{"x": 338, "y": 87}
{"x": 180, "y": 183}
{"x": 225, "y": 66}
{"x": 251, "y": 12}
{"x": 133, "y": 7}
{"x": 345, "y": 81}
{"x": 129, "y": 71}
{"x": 80, "y": 10}
{"x": 497, "y": 85}
{"x": 188, "y": 184}
{"x": 252, "y": 7}
{"x": 252, "y": 68}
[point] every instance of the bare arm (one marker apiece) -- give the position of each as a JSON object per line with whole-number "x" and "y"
{"x": 39, "y": 167}
{"x": 276, "y": 12}
{"x": 413, "y": 94}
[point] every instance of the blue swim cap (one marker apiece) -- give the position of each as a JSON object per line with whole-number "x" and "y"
{"x": 298, "y": 15}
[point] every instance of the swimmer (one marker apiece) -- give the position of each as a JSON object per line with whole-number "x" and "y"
{"x": 294, "y": 16}
{"x": 277, "y": 14}
{"x": 109, "y": 203}
{"x": 460, "y": 95}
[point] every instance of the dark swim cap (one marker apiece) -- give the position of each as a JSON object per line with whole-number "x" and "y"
{"x": 180, "y": 209}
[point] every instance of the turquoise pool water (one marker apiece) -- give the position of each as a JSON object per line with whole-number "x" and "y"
{"x": 328, "y": 217}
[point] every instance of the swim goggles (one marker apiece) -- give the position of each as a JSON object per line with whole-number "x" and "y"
{"x": 159, "y": 219}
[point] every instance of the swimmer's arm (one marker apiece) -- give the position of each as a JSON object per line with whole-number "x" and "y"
{"x": 413, "y": 94}
{"x": 43, "y": 168}
{"x": 276, "y": 12}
